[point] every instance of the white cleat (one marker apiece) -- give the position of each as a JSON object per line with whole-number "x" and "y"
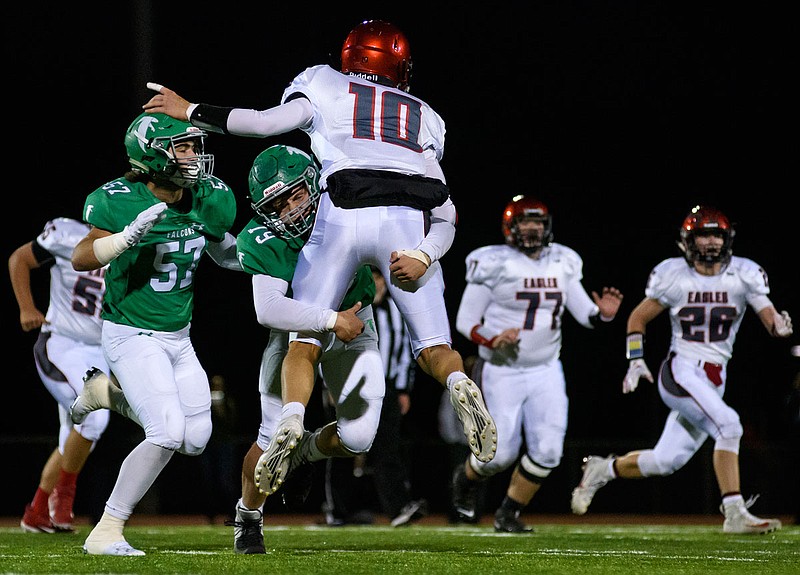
{"x": 595, "y": 475}
{"x": 739, "y": 520}
{"x": 96, "y": 394}
{"x": 273, "y": 465}
{"x": 118, "y": 548}
{"x": 479, "y": 427}
{"x": 106, "y": 539}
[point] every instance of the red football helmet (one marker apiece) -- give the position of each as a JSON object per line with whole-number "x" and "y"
{"x": 521, "y": 208}
{"x": 706, "y": 220}
{"x": 379, "y": 52}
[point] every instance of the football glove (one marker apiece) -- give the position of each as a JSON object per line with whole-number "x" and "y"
{"x": 143, "y": 223}
{"x": 637, "y": 368}
{"x": 110, "y": 247}
{"x": 783, "y": 325}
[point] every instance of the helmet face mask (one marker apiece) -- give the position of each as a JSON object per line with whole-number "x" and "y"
{"x": 284, "y": 191}
{"x": 153, "y": 142}
{"x": 379, "y": 52}
{"x": 524, "y": 209}
{"x": 705, "y": 221}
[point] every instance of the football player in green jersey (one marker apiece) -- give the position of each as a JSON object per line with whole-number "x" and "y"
{"x": 284, "y": 188}
{"x": 152, "y": 227}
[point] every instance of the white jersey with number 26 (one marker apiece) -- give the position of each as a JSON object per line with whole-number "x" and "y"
{"x": 706, "y": 311}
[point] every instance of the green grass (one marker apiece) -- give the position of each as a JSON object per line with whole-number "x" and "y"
{"x": 572, "y": 549}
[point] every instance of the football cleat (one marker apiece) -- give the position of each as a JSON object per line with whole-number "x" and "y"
{"x": 33, "y": 522}
{"x": 412, "y": 511}
{"x": 299, "y": 479}
{"x": 595, "y": 475}
{"x": 479, "y": 427}
{"x": 118, "y": 549}
{"x": 248, "y": 532}
{"x": 106, "y": 539}
{"x": 273, "y": 465}
{"x": 465, "y": 496}
{"x": 60, "y": 503}
{"x": 739, "y": 520}
{"x": 96, "y": 394}
{"x": 505, "y": 522}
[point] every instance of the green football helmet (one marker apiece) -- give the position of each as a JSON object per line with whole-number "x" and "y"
{"x": 150, "y": 142}
{"x": 277, "y": 174}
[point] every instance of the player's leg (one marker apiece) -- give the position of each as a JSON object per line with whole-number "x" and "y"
{"x": 145, "y": 374}
{"x": 542, "y": 394}
{"x": 422, "y": 305}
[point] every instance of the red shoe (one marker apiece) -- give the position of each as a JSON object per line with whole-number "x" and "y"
{"x": 60, "y": 503}
{"x": 36, "y": 523}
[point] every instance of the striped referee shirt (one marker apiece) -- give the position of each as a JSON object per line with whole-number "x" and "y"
{"x": 394, "y": 344}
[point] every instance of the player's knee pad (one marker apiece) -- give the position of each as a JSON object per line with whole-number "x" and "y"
{"x": 498, "y": 464}
{"x": 532, "y": 471}
{"x": 730, "y": 427}
{"x": 662, "y": 461}
{"x": 548, "y": 451}
{"x": 197, "y": 433}
{"x": 94, "y": 425}
{"x": 357, "y": 435}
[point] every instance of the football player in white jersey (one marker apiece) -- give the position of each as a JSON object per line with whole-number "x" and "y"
{"x": 512, "y": 307}
{"x": 707, "y": 300}
{"x": 68, "y": 345}
{"x": 379, "y": 148}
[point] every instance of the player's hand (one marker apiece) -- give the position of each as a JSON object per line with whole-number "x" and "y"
{"x": 348, "y": 324}
{"x": 783, "y": 325}
{"x": 636, "y": 369}
{"x": 167, "y": 102}
{"x": 608, "y": 303}
{"x": 143, "y": 223}
{"x": 30, "y": 320}
{"x": 506, "y": 338}
{"x": 407, "y": 268}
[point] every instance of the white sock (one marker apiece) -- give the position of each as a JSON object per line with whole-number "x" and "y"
{"x": 293, "y": 408}
{"x": 246, "y": 513}
{"x": 455, "y": 376}
{"x": 731, "y": 499}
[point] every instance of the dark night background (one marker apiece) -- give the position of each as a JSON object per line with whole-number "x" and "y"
{"x": 619, "y": 115}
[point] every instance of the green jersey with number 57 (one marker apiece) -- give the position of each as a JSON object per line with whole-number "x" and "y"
{"x": 151, "y": 285}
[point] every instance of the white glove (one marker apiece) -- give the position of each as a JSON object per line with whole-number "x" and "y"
{"x": 143, "y": 223}
{"x": 636, "y": 369}
{"x": 783, "y": 325}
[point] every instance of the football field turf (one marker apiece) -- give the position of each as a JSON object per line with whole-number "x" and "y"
{"x": 576, "y": 549}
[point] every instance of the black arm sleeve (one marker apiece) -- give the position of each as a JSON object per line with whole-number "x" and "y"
{"x": 596, "y": 321}
{"x": 211, "y": 118}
